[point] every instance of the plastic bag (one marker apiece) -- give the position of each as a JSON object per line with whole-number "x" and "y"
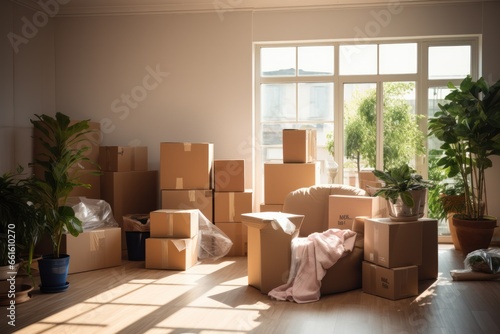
{"x": 94, "y": 213}
{"x": 484, "y": 260}
{"x": 214, "y": 243}
{"x": 136, "y": 222}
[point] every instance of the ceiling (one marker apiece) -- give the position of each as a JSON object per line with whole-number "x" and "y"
{"x": 109, "y": 7}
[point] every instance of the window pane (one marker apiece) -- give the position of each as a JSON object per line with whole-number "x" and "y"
{"x": 315, "y": 60}
{"x": 449, "y": 62}
{"x": 358, "y": 59}
{"x": 360, "y": 129}
{"x": 398, "y": 58}
{"x": 316, "y": 101}
{"x": 278, "y": 102}
{"x": 277, "y": 62}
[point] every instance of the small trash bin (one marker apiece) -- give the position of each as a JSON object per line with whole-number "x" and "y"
{"x": 136, "y": 245}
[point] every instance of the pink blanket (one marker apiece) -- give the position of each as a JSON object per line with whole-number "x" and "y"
{"x": 311, "y": 257}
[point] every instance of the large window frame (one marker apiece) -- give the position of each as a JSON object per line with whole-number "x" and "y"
{"x": 422, "y": 82}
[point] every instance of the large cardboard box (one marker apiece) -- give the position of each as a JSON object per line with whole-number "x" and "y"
{"x": 229, "y": 175}
{"x": 228, "y": 206}
{"x": 91, "y": 177}
{"x": 90, "y": 250}
{"x": 299, "y": 145}
{"x": 393, "y": 244}
{"x": 269, "y": 248}
{"x": 238, "y": 233}
{"x": 166, "y": 223}
{"x": 270, "y": 207}
{"x": 390, "y": 283}
{"x": 115, "y": 158}
{"x": 342, "y": 209}
{"x": 171, "y": 253}
{"x": 202, "y": 200}
{"x": 280, "y": 179}
{"x": 429, "y": 267}
{"x": 132, "y": 192}
{"x": 186, "y": 165}
{"x": 140, "y": 158}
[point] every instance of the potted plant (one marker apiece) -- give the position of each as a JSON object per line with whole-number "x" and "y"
{"x": 59, "y": 159}
{"x": 405, "y": 192}
{"x": 469, "y": 127}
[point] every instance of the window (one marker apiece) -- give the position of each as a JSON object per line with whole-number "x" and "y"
{"x": 372, "y": 99}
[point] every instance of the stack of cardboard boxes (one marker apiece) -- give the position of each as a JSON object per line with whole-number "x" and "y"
{"x": 126, "y": 183}
{"x": 174, "y": 238}
{"x": 230, "y": 201}
{"x": 397, "y": 255}
{"x": 299, "y": 168}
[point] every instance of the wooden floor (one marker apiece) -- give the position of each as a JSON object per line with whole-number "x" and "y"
{"x": 215, "y": 298}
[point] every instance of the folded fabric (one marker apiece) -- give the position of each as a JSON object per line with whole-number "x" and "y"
{"x": 311, "y": 258}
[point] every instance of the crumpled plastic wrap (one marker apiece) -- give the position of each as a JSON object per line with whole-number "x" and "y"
{"x": 214, "y": 243}
{"x": 481, "y": 264}
{"x": 94, "y": 213}
{"x": 136, "y": 222}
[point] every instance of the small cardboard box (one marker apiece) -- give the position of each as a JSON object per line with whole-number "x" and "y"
{"x": 342, "y": 209}
{"x": 238, "y": 233}
{"x": 229, "y": 175}
{"x": 228, "y": 206}
{"x": 115, "y": 158}
{"x": 186, "y": 165}
{"x": 429, "y": 267}
{"x": 202, "y": 200}
{"x": 91, "y": 250}
{"x": 269, "y": 248}
{"x": 390, "y": 283}
{"x": 299, "y": 145}
{"x": 282, "y": 178}
{"x": 167, "y": 223}
{"x": 393, "y": 244}
{"x": 171, "y": 253}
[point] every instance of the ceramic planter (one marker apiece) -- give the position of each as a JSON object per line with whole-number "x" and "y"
{"x": 474, "y": 234}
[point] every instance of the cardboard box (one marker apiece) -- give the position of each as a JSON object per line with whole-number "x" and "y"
{"x": 174, "y": 223}
{"x": 229, "y": 175}
{"x": 269, "y": 249}
{"x": 115, "y": 158}
{"x": 130, "y": 193}
{"x": 228, "y": 206}
{"x": 366, "y": 177}
{"x": 186, "y": 165}
{"x": 202, "y": 200}
{"x": 171, "y": 253}
{"x": 238, "y": 233}
{"x": 342, "y": 209}
{"x": 394, "y": 283}
{"x": 140, "y": 158}
{"x": 91, "y": 250}
{"x": 393, "y": 244}
{"x": 429, "y": 267}
{"x": 271, "y": 207}
{"x": 299, "y": 145}
{"x": 280, "y": 179}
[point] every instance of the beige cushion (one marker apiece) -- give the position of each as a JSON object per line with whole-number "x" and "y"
{"x": 312, "y": 202}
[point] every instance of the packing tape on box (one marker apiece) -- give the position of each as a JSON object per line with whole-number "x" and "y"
{"x": 164, "y": 253}
{"x": 180, "y": 244}
{"x": 192, "y": 195}
{"x": 231, "y": 207}
{"x": 170, "y": 224}
{"x": 179, "y": 183}
{"x": 187, "y": 147}
{"x": 281, "y": 221}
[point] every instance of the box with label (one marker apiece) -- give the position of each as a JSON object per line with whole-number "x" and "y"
{"x": 115, "y": 158}
{"x": 269, "y": 247}
{"x": 429, "y": 267}
{"x": 238, "y": 234}
{"x": 167, "y": 223}
{"x": 393, "y": 244}
{"x": 186, "y": 165}
{"x": 90, "y": 250}
{"x": 299, "y": 145}
{"x": 171, "y": 253}
{"x": 202, "y": 200}
{"x": 390, "y": 283}
{"x": 270, "y": 207}
{"x": 228, "y": 206}
{"x": 342, "y": 209}
{"x": 229, "y": 175}
{"x": 280, "y": 179}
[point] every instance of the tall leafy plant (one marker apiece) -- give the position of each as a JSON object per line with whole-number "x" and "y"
{"x": 469, "y": 127}
{"x": 59, "y": 160}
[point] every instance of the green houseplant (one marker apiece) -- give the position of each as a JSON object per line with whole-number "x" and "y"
{"x": 404, "y": 190}
{"x": 58, "y": 160}
{"x": 469, "y": 127}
